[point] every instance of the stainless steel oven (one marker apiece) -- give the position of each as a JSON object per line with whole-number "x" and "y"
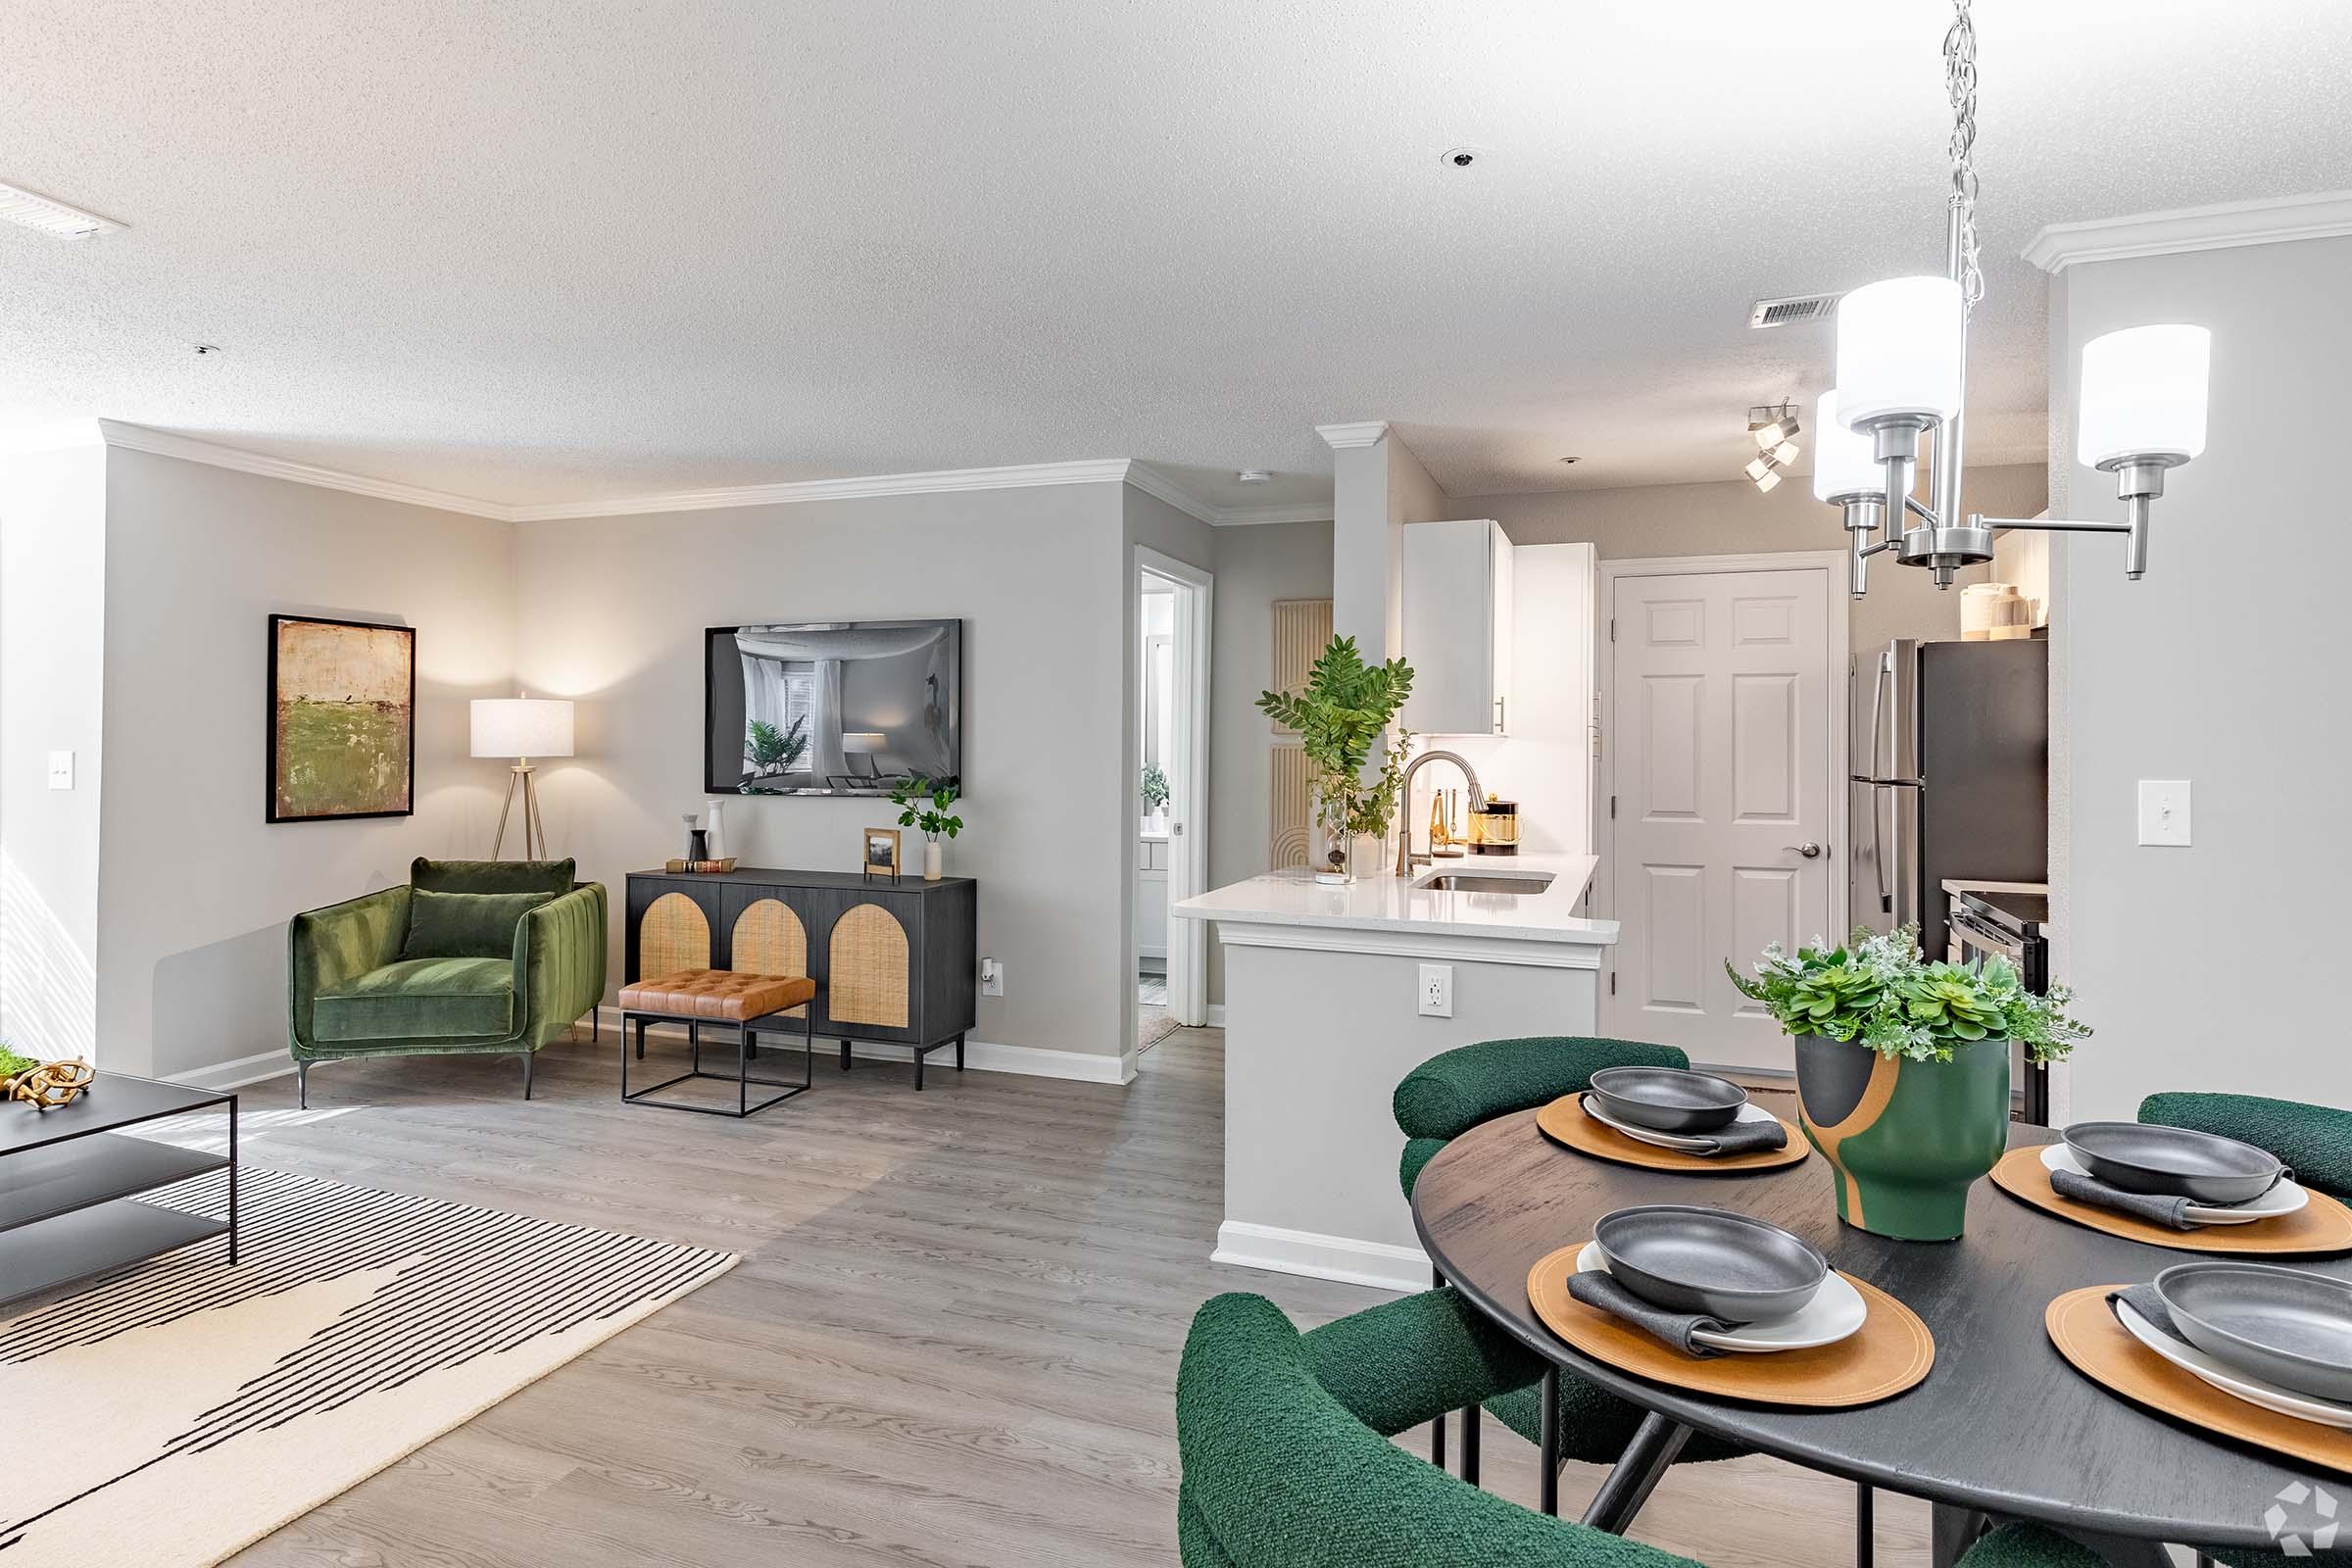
{"x": 2006, "y": 921}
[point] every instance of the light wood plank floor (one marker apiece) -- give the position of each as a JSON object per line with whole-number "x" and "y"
{"x": 953, "y": 1338}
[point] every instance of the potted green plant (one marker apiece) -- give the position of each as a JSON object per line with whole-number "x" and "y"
{"x": 1154, "y": 789}
{"x": 1341, "y": 716}
{"x": 923, "y": 804}
{"x": 1903, "y": 1070}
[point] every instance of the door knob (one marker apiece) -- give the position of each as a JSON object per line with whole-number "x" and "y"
{"x": 1809, "y": 849}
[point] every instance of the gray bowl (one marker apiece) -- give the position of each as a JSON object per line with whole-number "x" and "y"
{"x": 1691, "y": 1259}
{"x": 1667, "y": 1100}
{"x": 2174, "y": 1161}
{"x": 2283, "y": 1325}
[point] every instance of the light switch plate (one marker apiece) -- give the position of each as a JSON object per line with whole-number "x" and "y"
{"x": 2164, "y": 812}
{"x": 1437, "y": 991}
{"x": 61, "y": 770}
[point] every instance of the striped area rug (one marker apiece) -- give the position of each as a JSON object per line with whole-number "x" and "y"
{"x": 176, "y": 1412}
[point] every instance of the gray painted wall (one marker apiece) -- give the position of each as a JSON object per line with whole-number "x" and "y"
{"x": 52, "y": 658}
{"x": 194, "y": 887}
{"x": 2210, "y": 966}
{"x": 1256, "y": 566}
{"x": 610, "y": 612}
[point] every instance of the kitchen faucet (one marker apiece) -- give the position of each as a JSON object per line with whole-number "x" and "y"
{"x": 1406, "y": 859}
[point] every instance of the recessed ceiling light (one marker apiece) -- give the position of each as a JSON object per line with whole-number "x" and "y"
{"x": 1254, "y": 475}
{"x": 19, "y": 206}
{"x": 207, "y": 351}
{"x": 1568, "y": 460}
{"x": 1461, "y": 156}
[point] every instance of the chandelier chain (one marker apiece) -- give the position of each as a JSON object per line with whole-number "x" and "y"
{"x": 1960, "y": 86}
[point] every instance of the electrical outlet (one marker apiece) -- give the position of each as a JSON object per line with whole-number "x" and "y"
{"x": 2164, "y": 812}
{"x": 991, "y": 978}
{"x": 1437, "y": 991}
{"x": 61, "y": 770}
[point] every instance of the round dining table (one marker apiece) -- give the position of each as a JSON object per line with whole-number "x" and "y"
{"x": 2003, "y": 1427}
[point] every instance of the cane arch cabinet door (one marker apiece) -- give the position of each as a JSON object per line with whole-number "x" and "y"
{"x": 869, "y": 962}
{"x": 768, "y": 938}
{"x": 672, "y": 933}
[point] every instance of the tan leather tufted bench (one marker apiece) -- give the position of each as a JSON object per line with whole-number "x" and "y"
{"x": 727, "y": 999}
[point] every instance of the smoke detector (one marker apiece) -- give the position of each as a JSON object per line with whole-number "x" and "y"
{"x": 1790, "y": 310}
{"x": 37, "y": 212}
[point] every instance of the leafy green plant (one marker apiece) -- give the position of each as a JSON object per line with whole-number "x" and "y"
{"x": 1340, "y": 714}
{"x": 773, "y": 750}
{"x": 1155, "y": 787}
{"x": 923, "y": 804}
{"x": 12, "y": 1065}
{"x": 1882, "y": 993}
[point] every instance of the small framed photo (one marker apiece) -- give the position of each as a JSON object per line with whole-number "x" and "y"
{"x": 881, "y": 857}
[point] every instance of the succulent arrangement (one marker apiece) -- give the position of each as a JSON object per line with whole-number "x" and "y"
{"x": 1879, "y": 991}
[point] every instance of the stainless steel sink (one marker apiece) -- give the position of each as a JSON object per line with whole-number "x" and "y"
{"x": 1474, "y": 882}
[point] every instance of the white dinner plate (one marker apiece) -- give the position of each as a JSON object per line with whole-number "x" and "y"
{"x": 2227, "y": 1378}
{"x": 1750, "y": 1112}
{"x": 2283, "y": 1199}
{"x": 1834, "y": 1313}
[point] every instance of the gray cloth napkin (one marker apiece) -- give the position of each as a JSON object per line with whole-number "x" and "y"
{"x": 2173, "y": 1211}
{"x": 1747, "y": 1137}
{"x": 2143, "y": 1300}
{"x": 1597, "y": 1288}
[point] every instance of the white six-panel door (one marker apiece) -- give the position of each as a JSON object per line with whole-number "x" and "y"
{"x": 1718, "y": 755}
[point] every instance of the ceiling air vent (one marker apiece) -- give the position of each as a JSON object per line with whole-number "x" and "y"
{"x": 1789, "y": 311}
{"x": 19, "y": 206}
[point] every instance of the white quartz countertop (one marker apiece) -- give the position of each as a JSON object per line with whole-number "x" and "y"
{"x": 1396, "y": 904}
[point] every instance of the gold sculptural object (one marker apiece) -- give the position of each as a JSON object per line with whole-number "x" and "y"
{"x": 50, "y": 1085}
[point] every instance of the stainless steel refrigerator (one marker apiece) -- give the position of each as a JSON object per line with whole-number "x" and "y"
{"x": 1951, "y": 749}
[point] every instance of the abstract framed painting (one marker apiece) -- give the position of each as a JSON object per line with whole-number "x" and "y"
{"x": 342, "y": 720}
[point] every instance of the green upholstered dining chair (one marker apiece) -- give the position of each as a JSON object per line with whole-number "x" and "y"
{"x": 1444, "y": 1097}
{"x": 471, "y": 958}
{"x": 1286, "y": 1462}
{"x": 2315, "y": 1140}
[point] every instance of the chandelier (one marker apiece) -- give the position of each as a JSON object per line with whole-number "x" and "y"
{"x": 1902, "y": 374}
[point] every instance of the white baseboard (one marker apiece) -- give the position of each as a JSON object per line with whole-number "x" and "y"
{"x": 238, "y": 1073}
{"x": 980, "y": 1055}
{"x": 1216, "y": 1015}
{"x": 1379, "y": 1264}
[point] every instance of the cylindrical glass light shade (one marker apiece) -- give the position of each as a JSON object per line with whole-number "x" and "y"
{"x": 1842, "y": 462}
{"x": 2143, "y": 394}
{"x": 521, "y": 726}
{"x": 1899, "y": 344}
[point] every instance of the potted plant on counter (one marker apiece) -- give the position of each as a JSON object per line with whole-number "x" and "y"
{"x": 1154, "y": 791}
{"x": 1340, "y": 714}
{"x": 923, "y": 804}
{"x": 1903, "y": 1070}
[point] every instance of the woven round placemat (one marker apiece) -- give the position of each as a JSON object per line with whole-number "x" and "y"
{"x": 2083, "y": 1326}
{"x": 2322, "y": 1225}
{"x": 1564, "y": 1121}
{"x": 1891, "y": 1351}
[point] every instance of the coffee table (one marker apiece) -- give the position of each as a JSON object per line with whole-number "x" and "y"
{"x": 70, "y": 1181}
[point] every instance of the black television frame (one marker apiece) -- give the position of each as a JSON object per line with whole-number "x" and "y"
{"x": 712, "y": 786}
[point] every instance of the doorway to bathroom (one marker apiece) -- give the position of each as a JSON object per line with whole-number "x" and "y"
{"x": 1172, "y": 621}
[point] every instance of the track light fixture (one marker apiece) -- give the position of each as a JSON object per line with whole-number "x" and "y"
{"x": 1773, "y": 426}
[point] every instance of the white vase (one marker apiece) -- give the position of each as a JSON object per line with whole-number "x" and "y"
{"x": 932, "y": 856}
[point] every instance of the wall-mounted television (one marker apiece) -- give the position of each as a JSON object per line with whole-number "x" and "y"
{"x": 831, "y": 708}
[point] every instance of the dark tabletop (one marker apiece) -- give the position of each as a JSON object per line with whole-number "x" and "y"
{"x": 2003, "y": 1423}
{"x": 116, "y": 1099}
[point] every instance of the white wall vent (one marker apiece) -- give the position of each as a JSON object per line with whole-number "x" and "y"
{"x": 1792, "y": 310}
{"x": 50, "y": 217}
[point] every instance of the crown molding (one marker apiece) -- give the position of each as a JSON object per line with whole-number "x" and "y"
{"x": 139, "y": 438}
{"x": 1151, "y": 482}
{"x": 1277, "y": 511}
{"x": 1365, "y": 435}
{"x": 2323, "y": 215}
{"x": 1097, "y": 470}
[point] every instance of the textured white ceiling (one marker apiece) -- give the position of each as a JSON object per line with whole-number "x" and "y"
{"x": 542, "y": 250}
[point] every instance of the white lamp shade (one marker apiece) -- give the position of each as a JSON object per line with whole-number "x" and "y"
{"x": 2143, "y": 394}
{"x": 1842, "y": 462}
{"x": 1899, "y": 344}
{"x": 863, "y": 740}
{"x": 521, "y": 726}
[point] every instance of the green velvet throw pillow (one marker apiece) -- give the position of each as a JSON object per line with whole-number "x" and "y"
{"x": 492, "y": 876}
{"x": 466, "y": 925}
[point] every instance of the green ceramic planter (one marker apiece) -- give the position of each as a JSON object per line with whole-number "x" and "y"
{"x": 1905, "y": 1139}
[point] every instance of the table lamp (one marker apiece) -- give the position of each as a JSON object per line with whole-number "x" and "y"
{"x": 865, "y": 743}
{"x": 522, "y": 727}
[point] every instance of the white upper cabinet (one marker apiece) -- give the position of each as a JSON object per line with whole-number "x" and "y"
{"x": 1458, "y": 627}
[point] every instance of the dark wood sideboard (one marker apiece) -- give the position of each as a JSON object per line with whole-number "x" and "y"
{"x": 898, "y": 957}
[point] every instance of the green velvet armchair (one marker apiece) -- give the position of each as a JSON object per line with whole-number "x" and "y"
{"x": 471, "y": 958}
